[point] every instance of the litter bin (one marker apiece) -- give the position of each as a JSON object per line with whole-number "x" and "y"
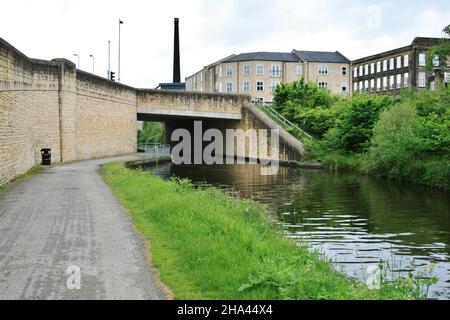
{"x": 46, "y": 156}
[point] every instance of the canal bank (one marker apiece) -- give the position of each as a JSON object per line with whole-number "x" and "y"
{"x": 208, "y": 245}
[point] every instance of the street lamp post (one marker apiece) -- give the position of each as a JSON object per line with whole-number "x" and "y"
{"x": 118, "y": 71}
{"x": 109, "y": 59}
{"x": 78, "y": 56}
{"x": 93, "y": 63}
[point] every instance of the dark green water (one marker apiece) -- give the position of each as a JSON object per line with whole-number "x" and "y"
{"x": 356, "y": 221}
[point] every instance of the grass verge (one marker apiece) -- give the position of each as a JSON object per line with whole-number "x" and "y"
{"x": 207, "y": 245}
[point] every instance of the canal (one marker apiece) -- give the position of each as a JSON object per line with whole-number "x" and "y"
{"x": 355, "y": 221}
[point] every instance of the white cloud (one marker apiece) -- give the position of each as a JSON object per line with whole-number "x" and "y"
{"x": 210, "y": 30}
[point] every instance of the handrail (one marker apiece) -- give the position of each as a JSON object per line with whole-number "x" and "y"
{"x": 282, "y": 121}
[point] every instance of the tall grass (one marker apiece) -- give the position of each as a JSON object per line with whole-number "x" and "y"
{"x": 208, "y": 245}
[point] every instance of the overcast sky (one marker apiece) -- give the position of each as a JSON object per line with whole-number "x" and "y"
{"x": 210, "y": 30}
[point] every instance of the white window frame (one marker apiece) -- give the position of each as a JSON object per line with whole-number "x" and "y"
{"x": 422, "y": 81}
{"x": 299, "y": 70}
{"x": 323, "y": 70}
{"x": 366, "y": 86}
{"x": 406, "y": 80}
{"x": 229, "y": 87}
{"x": 399, "y": 81}
{"x": 385, "y": 83}
{"x": 378, "y": 66}
{"x": 273, "y": 86}
{"x": 366, "y": 69}
{"x": 391, "y": 82}
{"x": 260, "y": 70}
{"x": 355, "y": 86}
{"x": 361, "y": 70}
{"x": 246, "y": 70}
{"x": 355, "y": 72}
{"x": 228, "y": 71}
{"x": 422, "y": 59}
{"x": 372, "y": 68}
{"x": 361, "y": 86}
{"x": 246, "y": 86}
{"x": 399, "y": 62}
{"x": 378, "y": 84}
{"x": 260, "y": 84}
{"x": 344, "y": 86}
{"x": 372, "y": 85}
{"x": 391, "y": 64}
{"x": 406, "y": 60}
{"x": 344, "y": 70}
{"x": 275, "y": 71}
{"x": 385, "y": 65}
{"x": 323, "y": 84}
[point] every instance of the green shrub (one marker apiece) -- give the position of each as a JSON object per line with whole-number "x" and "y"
{"x": 357, "y": 120}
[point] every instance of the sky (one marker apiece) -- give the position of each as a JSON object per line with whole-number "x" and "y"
{"x": 210, "y": 30}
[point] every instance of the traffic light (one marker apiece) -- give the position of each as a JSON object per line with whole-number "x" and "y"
{"x": 112, "y": 76}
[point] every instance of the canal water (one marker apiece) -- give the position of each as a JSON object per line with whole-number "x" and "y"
{"x": 355, "y": 221}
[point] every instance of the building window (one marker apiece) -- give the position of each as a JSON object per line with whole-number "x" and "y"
{"x": 323, "y": 85}
{"x": 406, "y": 80}
{"x": 228, "y": 71}
{"x": 299, "y": 70}
{"x": 436, "y": 61}
{"x": 385, "y": 67}
{"x": 220, "y": 87}
{"x": 276, "y": 71}
{"x": 246, "y": 70}
{"x": 432, "y": 85}
{"x": 385, "y": 83}
{"x": 259, "y": 86}
{"x": 355, "y": 72}
{"x": 378, "y": 66}
{"x": 366, "y": 86}
{"x": 406, "y": 60}
{"x": 229, "y": 87}
{"x": 361, "y": 70}
{"x": 372, "y": 68}
{"x": 220, "y": 71}
{"x": 399, "y": 81}
{"x": 422, "y": 82}
{"x": 422, "y": 61}
{"x": 344, "y": 71}
{"x": 372, "y": 85}
{"x": 391, "y": 64}
{"x": 366, "y": 69}
{"x": 344, "y": 86}
{"x": 391, "y": 82}
{"x": 323, "y": 70}
{"x": 246, "y": 86}
{"x": 259, "y": 70}
{"x": 274, "y": 86}
{"x": 360, "y": 86}
{"x": 378, "y": 84}
{"x": 399, "y": 62}
{"x": 355, "y": 86}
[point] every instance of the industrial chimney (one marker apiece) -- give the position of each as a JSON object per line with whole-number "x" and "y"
{"x": 176, "y": 54}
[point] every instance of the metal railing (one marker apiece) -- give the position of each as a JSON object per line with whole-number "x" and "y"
{"x": 156, "y": 150}
{"x": 283, "y": 121}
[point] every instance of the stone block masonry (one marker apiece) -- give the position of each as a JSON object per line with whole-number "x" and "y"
{"x": 50, "y": 104}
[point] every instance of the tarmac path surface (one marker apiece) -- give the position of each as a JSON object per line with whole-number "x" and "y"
{"x": 63, "y": 235}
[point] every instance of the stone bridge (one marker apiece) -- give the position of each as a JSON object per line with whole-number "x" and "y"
{"x": 51, "y": 104}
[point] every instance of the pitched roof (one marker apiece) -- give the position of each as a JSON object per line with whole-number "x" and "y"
{"x": 321, "y": 56}
{"x": 264, "y": 56}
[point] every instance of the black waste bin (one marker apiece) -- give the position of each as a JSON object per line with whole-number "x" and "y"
{"x": 46, "y": 156}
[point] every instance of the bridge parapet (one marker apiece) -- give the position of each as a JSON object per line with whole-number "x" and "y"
{"x": 182, "y": 104}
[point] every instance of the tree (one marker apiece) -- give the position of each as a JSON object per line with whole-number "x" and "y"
{"x": 442, "y": 53}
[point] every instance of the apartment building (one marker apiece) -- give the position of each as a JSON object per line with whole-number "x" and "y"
{"x": 394, "y": 70}
{"x": 259, "y": 73}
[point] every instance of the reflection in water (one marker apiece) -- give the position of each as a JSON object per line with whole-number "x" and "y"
{"x": 356, "y": 221}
